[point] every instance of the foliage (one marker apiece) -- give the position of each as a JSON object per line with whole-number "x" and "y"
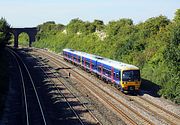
{"x": 177, "y": 16}
{"x": 172, "y": 57}
{"x": 4, "y": 32}
{"x": 23, "y": 39}
{"x": 152, "y": 45}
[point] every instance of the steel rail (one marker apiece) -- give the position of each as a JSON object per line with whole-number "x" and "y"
{"x": 168, "y": 112}
{"x": 61, "y": 94}
{"x": 32, "y": 82}
{"x": 24, "y": 90}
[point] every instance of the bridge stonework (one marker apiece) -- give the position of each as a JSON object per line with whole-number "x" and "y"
{"x": 30, "y": 31}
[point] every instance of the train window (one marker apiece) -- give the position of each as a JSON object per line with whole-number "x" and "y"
{"x": 99, "y": 69}
{"x": 114, "y": 75}
{"x": 117, "y": 76}
{"x": 87, "y": 64}
{"x": 109, "y": 73}
{"x": 106, "y": 72}
{"x": 92, "y": 66}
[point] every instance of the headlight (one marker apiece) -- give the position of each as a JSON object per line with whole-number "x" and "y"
{"x": 125, "y": 82}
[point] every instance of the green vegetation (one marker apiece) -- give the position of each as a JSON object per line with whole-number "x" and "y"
{"x": 152, "y": 45}
{"x": 4, "y": 33}
{"x": 23, "y": 39}
{"x": 4, "y": 39}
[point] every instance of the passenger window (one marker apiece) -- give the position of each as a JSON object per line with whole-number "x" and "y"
{"x": 99, "y": 69}
{"x": 109, "y": 73}
{"x": 114, "y": 76}
{"x": 92, "y": 66}
{"x": 87, "y": 64}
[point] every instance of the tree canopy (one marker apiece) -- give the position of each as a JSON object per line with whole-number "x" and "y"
{"x": 4, "y": 32}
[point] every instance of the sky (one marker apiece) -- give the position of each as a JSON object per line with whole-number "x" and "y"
{"x": 30, "y": 13}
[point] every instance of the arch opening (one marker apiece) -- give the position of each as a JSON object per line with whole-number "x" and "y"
{"x": 24, "y": 39}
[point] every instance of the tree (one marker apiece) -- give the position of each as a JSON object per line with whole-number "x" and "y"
{"x": 177, "y": 16}
{"x": 75, "y": 25}
{"x": 98, "y": 24}
{"x": 115, "y": 27}
{"x": 5, "y": 35}
{"x": 153, "y": 25}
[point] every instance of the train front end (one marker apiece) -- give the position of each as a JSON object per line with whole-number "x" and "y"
{"x": 130, "y": 80}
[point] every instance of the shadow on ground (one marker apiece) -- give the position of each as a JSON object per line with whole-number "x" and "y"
{"x": 150, "y": 88}
{"x": 57, "y": 111}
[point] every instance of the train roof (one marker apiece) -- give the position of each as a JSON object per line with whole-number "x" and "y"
{"x": 87, "y": 55}
{"x": 106, "y": 61}
{"x": 117, "y": 64}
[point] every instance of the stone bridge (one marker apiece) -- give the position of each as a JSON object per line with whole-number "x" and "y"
{"x": 31, "y": 32}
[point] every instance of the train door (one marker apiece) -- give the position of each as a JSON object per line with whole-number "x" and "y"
{"x": 81, "y": 62}
{"x": 112, "y": 74}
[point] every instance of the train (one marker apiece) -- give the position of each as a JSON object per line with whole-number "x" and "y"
{"x": 124, "y": 76}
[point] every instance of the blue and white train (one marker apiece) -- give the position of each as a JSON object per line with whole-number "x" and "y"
{"x": 124, "y": 76}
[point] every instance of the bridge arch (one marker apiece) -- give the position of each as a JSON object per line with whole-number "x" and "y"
{"x": 31, "y": 32}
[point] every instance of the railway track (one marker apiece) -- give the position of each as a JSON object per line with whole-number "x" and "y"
{"x": 169, "y": 117}
{"x": 27, "y": 97}
{"x": 156, "y": 110}
{"x": 105, "y": 99}
{"x": 66, "y": 90}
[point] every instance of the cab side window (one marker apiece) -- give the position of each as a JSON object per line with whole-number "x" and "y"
{"x": 117, "y": 75}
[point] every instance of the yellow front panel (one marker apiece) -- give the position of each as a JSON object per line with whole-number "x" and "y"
{"x": 125, "y": 84}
